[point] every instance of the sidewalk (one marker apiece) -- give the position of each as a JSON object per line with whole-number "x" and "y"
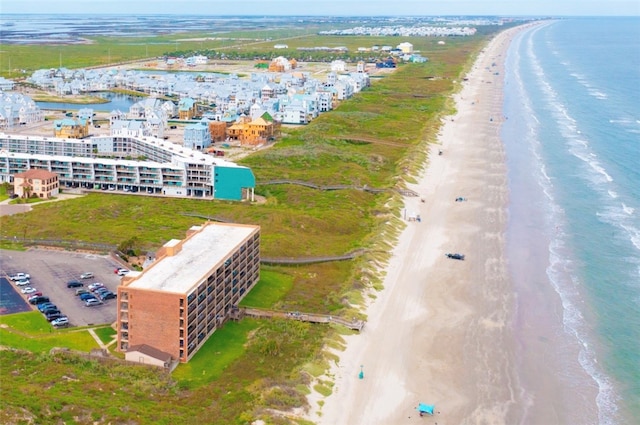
{"x": 9, "y": 209}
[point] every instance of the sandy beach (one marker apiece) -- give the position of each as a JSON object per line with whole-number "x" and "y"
{"x": 439, "y": 332}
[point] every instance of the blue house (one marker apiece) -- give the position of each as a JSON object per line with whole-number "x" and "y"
{"x": 197, "y": 136}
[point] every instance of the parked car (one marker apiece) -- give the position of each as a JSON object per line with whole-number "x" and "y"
{"x": 35, "y": 294}
{"x": 121, "y": 271}
{"x": 46, "y": 305}
{"x": 20, "y": 276}
{"x": 74, "y": 284}
{"x": 28, "y": 290}
{"x": 92, "y": 302}
{"x": 81, "y": 291}
{"x": 38, "y": 300}
{"x": 22, "y": 282}
{"x": 54, "y": 316}
{"x": 86, "y": 275}
{"x": 84, "y": 297}
{"x": 51, "y": 311}
{"x": 107, "y": 296}
{"x": 60, "y": 321}
{"x": 95, "y": 286}
{"x": 101, "y": 290}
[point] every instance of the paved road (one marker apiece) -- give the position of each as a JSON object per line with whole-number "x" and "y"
{"x": 50, "y": 271}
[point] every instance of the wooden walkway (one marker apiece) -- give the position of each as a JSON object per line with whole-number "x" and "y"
{"x": 296, "y": 315}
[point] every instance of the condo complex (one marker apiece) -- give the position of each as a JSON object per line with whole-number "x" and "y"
{"x": 189, "y": 291}
{"x": 127, "y": 163}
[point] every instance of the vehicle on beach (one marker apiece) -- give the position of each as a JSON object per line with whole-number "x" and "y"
{"x": 460, "y": 199}
{"x": 455, "y": 256}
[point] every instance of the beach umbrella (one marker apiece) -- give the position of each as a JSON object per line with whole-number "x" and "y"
{"x": 425, "y": 408}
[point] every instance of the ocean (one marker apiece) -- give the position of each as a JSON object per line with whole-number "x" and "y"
{"x": 572, "y": 143}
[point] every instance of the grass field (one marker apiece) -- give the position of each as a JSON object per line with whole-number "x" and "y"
{"x": 31, "y": 331}
{"x": 250, "y": 369}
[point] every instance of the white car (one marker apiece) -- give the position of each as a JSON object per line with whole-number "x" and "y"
{"x": 92, "y": 301}
{"x": 20, "y": 276}
{"x": 60, "y": 321}
{"x": 87, "y": 275}
{"x": 23, "y": 282}
{"x": 28, "y": 290}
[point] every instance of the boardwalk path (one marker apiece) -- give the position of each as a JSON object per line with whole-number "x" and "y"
{"x": 296, "y": 315}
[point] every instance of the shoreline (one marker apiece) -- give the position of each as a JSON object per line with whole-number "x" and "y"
{"x": 439, "y": 332}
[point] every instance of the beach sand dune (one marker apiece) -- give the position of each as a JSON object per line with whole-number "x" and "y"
{"x": 439, "y": 332}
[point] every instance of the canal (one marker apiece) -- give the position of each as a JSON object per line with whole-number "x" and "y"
{"x": 116, "y": 101}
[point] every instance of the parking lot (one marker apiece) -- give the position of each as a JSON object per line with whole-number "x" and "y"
{"x": 50, "y": 271}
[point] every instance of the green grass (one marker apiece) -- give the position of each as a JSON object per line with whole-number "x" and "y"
{"x": 31, "y": 331}
{"x": 272, "y": 287}
{"x": 31, "y": 323}
{"x": 106, "y": 334}
{"x": 224, "y": 347}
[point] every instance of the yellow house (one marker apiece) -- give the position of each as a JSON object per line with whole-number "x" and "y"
{"x": 34, "y": 182}
{"x": 71, "y": 129}
{"x": 257, "y": 132}
{"x": 187, "y": 108}
{"x": 254, "y": 132}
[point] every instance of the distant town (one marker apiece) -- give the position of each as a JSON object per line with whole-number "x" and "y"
{"x": 209, "y": 108}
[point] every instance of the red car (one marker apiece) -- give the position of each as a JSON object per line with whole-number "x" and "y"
{"x": 121, "y": 271}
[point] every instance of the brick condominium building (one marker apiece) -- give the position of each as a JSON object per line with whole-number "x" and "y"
{"x": 190, "y": 290}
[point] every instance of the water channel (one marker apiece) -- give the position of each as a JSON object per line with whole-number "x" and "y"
{"x": 116, "y": 101}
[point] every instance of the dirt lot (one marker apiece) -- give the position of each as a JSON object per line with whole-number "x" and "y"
{"x": 50, "y": 271}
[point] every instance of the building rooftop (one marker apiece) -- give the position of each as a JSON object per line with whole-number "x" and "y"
{"x": 151, "y": 352}
{"x": 36, "y": 174}
{"x": 208, "y": 246}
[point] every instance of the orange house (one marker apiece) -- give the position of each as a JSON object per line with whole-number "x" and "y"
{"x": 218, "y": 130}
{"x": 34, "y": 182}
{"x": 257, "y": 132}
{"x": 254, "y": 133}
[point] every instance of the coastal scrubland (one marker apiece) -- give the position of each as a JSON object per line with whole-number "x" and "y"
{"x": 250, "y": 369}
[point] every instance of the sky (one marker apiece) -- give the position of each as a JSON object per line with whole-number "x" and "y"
{"x": 329, "y": 8}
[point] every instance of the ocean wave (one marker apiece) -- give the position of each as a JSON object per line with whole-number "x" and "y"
{"x": 621, "y": 217}
{"x": 597, "y": 94}
{"x": 563, "y": 279}
{"x": 562, "y": 272}
{"x": 627, "y": 210}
